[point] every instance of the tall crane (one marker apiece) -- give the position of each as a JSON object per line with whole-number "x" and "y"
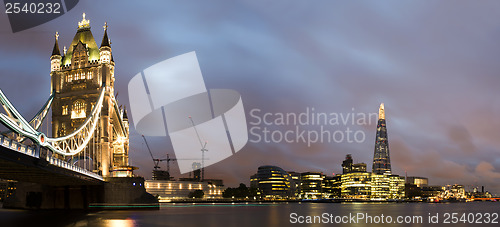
{"x": 156, "y": 161}
{"x": 203, "y": 149}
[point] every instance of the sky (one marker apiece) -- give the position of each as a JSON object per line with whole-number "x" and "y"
{"x": 433, "y": 63}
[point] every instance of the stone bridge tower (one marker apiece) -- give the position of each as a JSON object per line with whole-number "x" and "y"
{"x": 78, "y": 76}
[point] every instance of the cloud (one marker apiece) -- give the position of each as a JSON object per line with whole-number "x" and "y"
{"x": 486, "y": 171}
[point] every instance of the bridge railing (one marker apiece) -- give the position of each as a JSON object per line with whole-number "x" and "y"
{"x": 67, "y": 165}
{"x": 31, "y": 151}
{"x": 14, "y": 145}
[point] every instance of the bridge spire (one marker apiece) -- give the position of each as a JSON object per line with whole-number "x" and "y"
{"x": 105, "y": 40}
{"x": 56, "y": 51}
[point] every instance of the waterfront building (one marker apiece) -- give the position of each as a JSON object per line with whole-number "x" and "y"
{"x": 380, "y": 187}
{"x": 167, "y": 190}
{"x": 431, "y": 191}
{"x": 381, "y": 156}
{"x": 356, "y": 185}
{"x": 412, "y": 191}
{"x": 419, "y": 181}
{"x": 371, "y": 186}
{"x": 332, "y": 186}
{"x": 396, "y": 187}
{"x": 455, "y": 191}
{"x": 78, "y": 76}
{"x": 311, "y": 185}
{"x": 295, "y": 183}
{"x": 272, "y": 182}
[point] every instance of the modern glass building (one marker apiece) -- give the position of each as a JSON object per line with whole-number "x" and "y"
{"x": 397, "y": 187}
{"x": 380, "y": 187}
{"x": 381, "y": 156}
{"x": 356, "y": 185}
{"x": 311, "y": 185}
{"x": 272, "y": 182}
{"x": 332, "y": 187}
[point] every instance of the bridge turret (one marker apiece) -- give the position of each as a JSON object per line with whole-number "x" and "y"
{"x": 105, "y": 49}
{"x": 55, "y": 58}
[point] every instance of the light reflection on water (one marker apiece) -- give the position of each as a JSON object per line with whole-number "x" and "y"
{"x": 119, "y": 223}
{"x": 240, "y": 215}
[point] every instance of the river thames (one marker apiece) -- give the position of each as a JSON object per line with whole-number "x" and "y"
{"x": 269, "y": 214}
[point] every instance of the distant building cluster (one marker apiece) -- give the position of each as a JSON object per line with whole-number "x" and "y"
{"x": 167, "y": 190}
{"x": 273, "y": 182}
{"x": 355, "y": 183}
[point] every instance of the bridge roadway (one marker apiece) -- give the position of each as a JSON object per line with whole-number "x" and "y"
{"x": 31, "y": 164}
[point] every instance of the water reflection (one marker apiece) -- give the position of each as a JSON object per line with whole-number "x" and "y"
{"x": 239, "y": 215}
{"x": 119, "y": 223}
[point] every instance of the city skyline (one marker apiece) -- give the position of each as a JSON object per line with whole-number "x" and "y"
{"x": 438, "y": 79}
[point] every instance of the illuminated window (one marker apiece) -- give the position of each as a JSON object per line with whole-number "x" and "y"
{"x": 62, "y": 130}
{"x": 78, "y": 110}
{"x": 65, "y": 110}
{"x": 89, "y": 75}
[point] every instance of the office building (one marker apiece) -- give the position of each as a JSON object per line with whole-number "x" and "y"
{"x": 272, "y": 182}
{"x": 311, "y": 185}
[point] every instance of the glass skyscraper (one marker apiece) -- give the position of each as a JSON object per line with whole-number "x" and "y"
{"x": 381, "y": 156}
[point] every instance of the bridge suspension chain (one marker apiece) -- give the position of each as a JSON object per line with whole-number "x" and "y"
{"x": 68, "y": 145}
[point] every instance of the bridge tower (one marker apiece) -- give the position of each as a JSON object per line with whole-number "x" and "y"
{"x": 77, "y": 77}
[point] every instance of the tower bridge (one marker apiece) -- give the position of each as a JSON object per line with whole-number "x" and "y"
{"x": 89, "y": 141}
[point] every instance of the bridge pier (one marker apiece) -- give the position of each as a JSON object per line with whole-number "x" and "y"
{"x": 122, "y": 191}
{"x": 37, "y": 196}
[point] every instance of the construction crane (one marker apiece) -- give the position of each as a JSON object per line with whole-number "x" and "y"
{"x": 156, "y": 161}
{"x": 168, "y": 159}
{"x": 203, "y": 150}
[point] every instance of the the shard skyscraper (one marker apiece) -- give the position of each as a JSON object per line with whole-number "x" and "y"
{"x": 381, "y": 156}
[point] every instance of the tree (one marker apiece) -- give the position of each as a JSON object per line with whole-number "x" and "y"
{"x": 196, "y": 194}
{"x": 240, "y": 192}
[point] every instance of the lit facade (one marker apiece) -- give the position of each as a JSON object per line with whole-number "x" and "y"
{"x": 332, "y": 187}
{"x": 397, "y": 187}
{"x": 371, "y": 186}
{"x": 170, "y": 190}
{"x": 77, "y": 77}
{"x": 418, "y": 181}
{"x": 311, "y": 185}
{"x": 381, "y": 157}
{"x": 272, "y": 182}
{"x": 295, "y": 183}
{"x": 380, "y": 187}
{"x": 356, "y": 185}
